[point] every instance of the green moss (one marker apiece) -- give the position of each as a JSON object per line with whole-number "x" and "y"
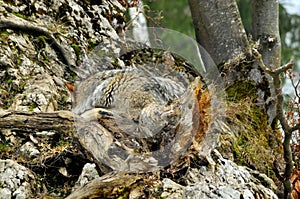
{"x": 43, "y": 38}
{"x": 92, "y": 44}
{"x": 159, "y": 188}
{"x": 50, "y": 26}
{"x": 76, "y": 49}
{"x": 44, "y": 55}
{"x": 73, "y": 74}
{"x": 19, "y": 15}
{"x": 253, "y": 142}
{"x": 32, "y": 107}
{"x": 3, "y": 148}
{"x": 4, "y": 33}
{"x": 241, "y": 90}
{"x": 22, "y": 86}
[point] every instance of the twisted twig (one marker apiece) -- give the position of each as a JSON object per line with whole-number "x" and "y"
{"x": 288, "y": 130}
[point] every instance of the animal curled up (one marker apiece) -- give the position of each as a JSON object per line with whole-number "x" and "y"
{"x": 136, "y": 120}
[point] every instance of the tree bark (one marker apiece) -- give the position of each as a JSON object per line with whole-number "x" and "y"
{"x": 139, "y": 23}
{"x": 265, "y": 27}
{"x": 219, "y": 28}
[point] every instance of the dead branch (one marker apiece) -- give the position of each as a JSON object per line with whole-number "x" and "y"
{"x": 296, "y": 127}
{"x": 288, "y": 130}
{"x": 272, "y": 72}
{"x": 32, "y": 121}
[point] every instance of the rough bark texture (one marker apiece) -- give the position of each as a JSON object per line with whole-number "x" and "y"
{"x": 265, "y": 28}
{"x": 139, "y": 23}
{"x": 219, "y": 28}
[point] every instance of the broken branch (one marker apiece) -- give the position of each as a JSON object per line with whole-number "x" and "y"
{"x": 29, "y": 121}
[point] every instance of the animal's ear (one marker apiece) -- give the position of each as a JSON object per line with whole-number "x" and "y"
{"x": 70, "y": 87}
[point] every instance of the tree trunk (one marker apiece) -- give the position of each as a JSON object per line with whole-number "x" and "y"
{"x": 139, "y": 23}
{"x": 219, "y": 28}
{"x": 265, "y": 28}
{"x": 220, "y": 31}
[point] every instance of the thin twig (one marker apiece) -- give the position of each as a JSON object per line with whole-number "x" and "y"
{"x": 285, "y": 67}
{"x": 296, "y": 127}
{"x": 258, "y": 57}
{"x": 288, "y": 130}
{"x": 271, "y": 72}
{"x": 295, "y": 86}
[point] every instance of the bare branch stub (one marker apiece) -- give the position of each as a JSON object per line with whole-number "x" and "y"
{"x": 268, "y": 70}
{"x": 296, "y": 127}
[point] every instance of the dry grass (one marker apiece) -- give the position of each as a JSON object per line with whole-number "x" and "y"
{"x": 252, "y": 143}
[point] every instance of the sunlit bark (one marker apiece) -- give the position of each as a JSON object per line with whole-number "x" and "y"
{"x": 219, "y": 28}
